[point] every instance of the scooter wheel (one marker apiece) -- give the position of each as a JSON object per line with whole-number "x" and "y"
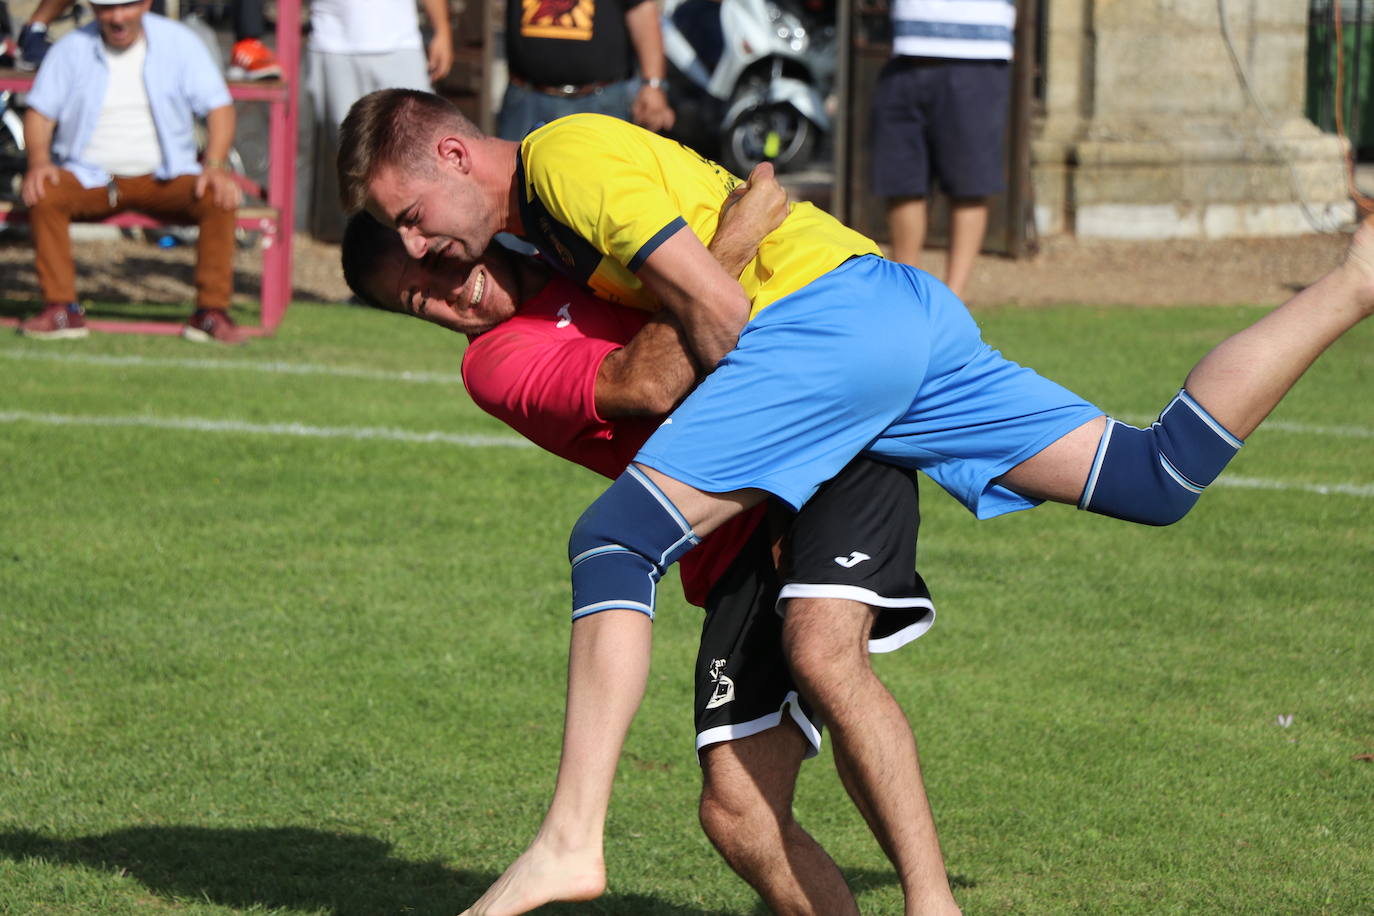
{"x": 775, "y": 133}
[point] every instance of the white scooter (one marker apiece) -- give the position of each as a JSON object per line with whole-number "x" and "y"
{"x": 749, "y": 78}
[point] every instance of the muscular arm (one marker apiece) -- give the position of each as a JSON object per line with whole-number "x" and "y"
{"x": 651, "y": 108}
{"x": 656, "y": 369}
{"x": 691, "y": 284}
{"x": 649, "y": 375}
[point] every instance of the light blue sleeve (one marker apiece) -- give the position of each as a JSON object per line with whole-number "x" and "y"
{"x": 53, "y": 87}
{"x": 204, "y": 85}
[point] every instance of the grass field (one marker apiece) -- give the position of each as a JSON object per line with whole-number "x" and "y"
{"x": 282, "y": 630}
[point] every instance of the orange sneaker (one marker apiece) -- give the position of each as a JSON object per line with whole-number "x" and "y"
{"x": 252, "y": 60}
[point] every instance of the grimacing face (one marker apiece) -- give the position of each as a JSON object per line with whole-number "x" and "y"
{"x": 121, "y": 24}
{"x": 437, "y": 211}
{"x": 467, "y": 297}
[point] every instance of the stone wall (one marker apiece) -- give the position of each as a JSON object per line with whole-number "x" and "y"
{"x": 1150, "y": 132}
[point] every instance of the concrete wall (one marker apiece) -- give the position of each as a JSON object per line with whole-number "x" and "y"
{"x": 1150, "y": 132}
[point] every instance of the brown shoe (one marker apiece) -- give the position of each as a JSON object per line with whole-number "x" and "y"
{"x": 213, "y": 326}
{"x": 57, "y": 321}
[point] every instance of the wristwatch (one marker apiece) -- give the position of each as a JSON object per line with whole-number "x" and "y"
{"x": 656, "y": 82}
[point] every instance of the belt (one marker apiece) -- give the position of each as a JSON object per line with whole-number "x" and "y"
{"x": 565, "y": 91}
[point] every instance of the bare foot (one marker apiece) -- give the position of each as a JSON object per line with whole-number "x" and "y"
{"x": 541, "y": 876}
{"x": 1359, "y": 262}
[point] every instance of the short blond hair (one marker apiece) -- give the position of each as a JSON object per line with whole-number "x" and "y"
{"x": 391, "y": 127}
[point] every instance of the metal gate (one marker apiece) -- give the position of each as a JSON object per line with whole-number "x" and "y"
{"x": 1340, "y": 70}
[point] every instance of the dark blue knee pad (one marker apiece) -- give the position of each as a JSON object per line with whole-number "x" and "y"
{"x": 622, "y": 545}
{"x": 1153, "y": 476}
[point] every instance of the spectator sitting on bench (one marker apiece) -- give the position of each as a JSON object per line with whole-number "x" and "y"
{"x": 110, "y": 128}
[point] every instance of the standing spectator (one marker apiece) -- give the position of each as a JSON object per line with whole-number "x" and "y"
{"x": 355, "y": 47}
{"x": 941, "y": 107}
{"x": 569, "y": 56}
{"x": 111, "y": 127}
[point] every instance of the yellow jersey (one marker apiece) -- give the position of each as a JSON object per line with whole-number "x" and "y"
{"x": 599, "y": 195}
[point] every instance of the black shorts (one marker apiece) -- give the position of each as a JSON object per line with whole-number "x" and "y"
{"x": 855, "y": 539}
{"x": 942, "y": 116}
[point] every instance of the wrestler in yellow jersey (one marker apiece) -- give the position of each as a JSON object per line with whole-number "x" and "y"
{"x": 601, "y": 194}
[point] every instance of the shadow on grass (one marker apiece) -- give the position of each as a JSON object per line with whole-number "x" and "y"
{"x": 288, "y": 867}
{"x": 152, "y": 279}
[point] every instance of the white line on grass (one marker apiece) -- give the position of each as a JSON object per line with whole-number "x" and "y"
{"x": 451, "y": 378}
{"x": 1325, "y": 489}
{"x": 241, "y": 365}
{"x": 195, "y": 424}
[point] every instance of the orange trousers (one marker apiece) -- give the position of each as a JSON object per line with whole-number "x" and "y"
{"x": 174, "y": 200}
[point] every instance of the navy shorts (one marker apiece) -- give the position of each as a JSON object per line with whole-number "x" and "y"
{"x": 940, "y": 118}
{"x": 856, "y": 540}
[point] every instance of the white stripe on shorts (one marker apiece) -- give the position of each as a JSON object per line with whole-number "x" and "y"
{"x": 889, "y": 643}
{"x": 737, "y": 730}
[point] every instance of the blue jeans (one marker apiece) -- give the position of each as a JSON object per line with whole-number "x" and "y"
{"x": 522, "y": 109}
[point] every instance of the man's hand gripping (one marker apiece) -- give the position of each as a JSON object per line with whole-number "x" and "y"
{"x": 751, "y": 211}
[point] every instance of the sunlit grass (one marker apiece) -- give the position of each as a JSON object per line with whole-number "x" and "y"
{"x": 251, "y": 672}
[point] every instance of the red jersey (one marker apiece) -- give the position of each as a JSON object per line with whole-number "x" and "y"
{"x": 536, "y": 372}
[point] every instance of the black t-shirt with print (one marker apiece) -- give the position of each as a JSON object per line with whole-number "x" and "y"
{"x": 557, "y": 42}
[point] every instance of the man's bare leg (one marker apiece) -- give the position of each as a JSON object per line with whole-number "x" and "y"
{"x": 565, "y": 860}
{"x": 968, "y": 226}
{"x": 1245, "y": 376}
{"x": 826, "y": 642}
{"x": 906, "y": 223}
{"x": 746, "y": 811}
{"x": 1241, "y": 379}
{"x": 608, "y": 665}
